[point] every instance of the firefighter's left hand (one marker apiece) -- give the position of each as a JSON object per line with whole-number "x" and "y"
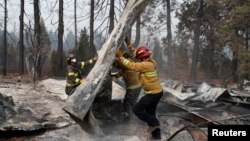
{"x": 118, "y": 53}
{"x": 82, "y": 81}
{"x": 95, "y": 58}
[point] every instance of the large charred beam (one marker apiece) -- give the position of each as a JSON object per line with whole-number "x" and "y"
{"x": 81, "y": 100}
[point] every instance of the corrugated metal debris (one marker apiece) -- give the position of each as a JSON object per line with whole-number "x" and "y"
{"x": 216, "y": 105}
{"x": 204, "y": 92}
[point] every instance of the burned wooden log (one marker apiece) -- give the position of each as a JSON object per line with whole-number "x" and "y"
{"x": 81, "y": 100}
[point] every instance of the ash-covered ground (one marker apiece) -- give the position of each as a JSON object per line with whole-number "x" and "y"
{"x": 48, "y": 97}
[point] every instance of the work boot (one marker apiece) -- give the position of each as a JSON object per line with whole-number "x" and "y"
{"x": 125, "y": 116}
{"x": 156, "y": 134}
{"x": 150, "y": 129}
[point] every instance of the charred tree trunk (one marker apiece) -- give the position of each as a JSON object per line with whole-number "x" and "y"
{"x": 37, "y": 22}
{"x": 169, "y": 38}
{"x": 195, "y": 53}
{"x": 234, "y": 67}
{"x": 241, "y": 75}
{"x": 235, "y": 75}
{"x": 21, "y": 45}
{"x": 35, "y": 52}
{"x": 210, "y": 53}
{"x": 5, "y": 39}
{"x": 111, "y": 15}
{"x": 247, "y": 37}
{"x": 138, "y": 32}
{"x": 75, "y": 25}
{"x": 91, "y": 35}
{"x": 37, "y": 45}
{"x": 129, "y": 35}
{"x": 92, "y": 51}
{"x": 60, "y": 41}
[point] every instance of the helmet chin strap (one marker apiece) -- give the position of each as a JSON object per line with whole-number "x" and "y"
{"x": 73, "y": 63}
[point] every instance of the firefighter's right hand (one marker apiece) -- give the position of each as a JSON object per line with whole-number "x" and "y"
{"x": 118, "y": 53}
{"x": 126, "y": 40}
{"x": 114, "y": 74}
{"x": 82, "y": 81}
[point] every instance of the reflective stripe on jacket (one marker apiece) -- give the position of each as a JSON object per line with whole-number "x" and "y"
{"x": 73, "y": 76}
{"x": 147, "y": 74}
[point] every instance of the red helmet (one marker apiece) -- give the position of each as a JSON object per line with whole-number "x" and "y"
{"x": 142, "y": 52}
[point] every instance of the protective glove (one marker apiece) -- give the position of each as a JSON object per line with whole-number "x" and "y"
{"x": 95, "y": 58}
{"x": 118, "y": 53}
{"x": 126, "y": 40}
{"x": 114, "y": 74}
{"x": 82, "y": 81}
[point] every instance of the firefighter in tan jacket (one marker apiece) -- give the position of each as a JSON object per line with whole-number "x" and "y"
{"x": 133, "y": 86}
{"x": 145, "y": 109}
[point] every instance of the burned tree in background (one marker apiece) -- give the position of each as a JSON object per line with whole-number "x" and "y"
{"x": 89, "y": 46}
{"x": 34, "y": 50}
{"x": 38, "y": 45}
{"x": 195, "y": 53}
{"x": 75, "y": 17}
{"x": 91, "y": 22}
{"x": 60, "y": 41}
{"x": 21, "y": 45}
{"x": 169, "y": 41}
{"x": 5, "y": 39}
{"x": 111, "y": 15}
{"x": 138, "y": 32}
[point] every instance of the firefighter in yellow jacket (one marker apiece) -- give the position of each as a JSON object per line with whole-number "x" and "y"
{"x": 74, "y": 77}
{"x": 145, "y": 109}
{"x": 133, "y": 86}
